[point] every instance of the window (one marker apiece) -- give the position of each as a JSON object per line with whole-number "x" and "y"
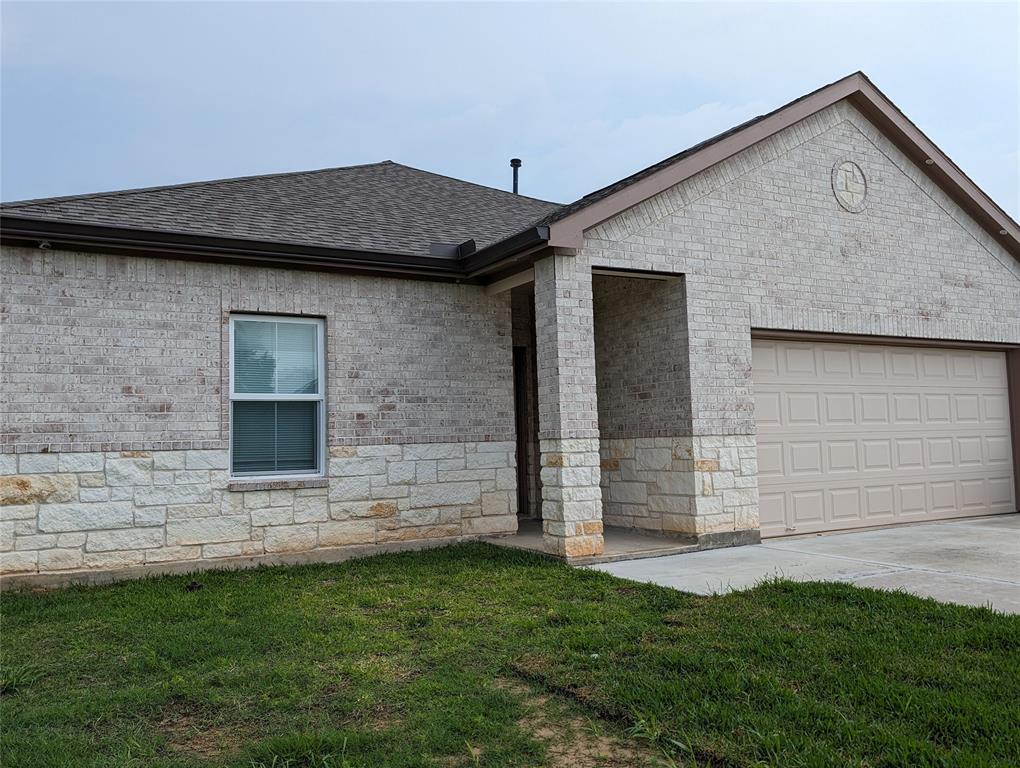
{"x": 277, "y": 396}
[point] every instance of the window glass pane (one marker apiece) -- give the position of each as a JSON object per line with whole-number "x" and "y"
{"x": 297, "y": 436}
{"x": 275, "y": 437}
{"x": 296, "y": 359}
{"x": 275, "y": 358}
{"x": 254, "y": 356}
{"x": 254, "y": 437}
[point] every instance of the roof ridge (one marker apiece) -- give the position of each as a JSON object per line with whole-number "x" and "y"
{"x": 187, "y": 184}
{"x": 480, "y": 186}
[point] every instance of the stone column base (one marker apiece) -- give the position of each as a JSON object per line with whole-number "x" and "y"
{"x": 571, "y": 498}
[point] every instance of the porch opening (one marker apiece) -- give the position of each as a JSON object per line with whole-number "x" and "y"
{"x": 643, "y": 401}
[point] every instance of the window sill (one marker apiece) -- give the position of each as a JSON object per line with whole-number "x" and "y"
{"x": 283, "y": 484}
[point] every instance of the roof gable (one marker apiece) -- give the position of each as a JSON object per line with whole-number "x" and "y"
{"x": 567, "y": 224}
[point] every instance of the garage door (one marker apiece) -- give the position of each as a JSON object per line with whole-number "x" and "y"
{"x": 852, "y": 435}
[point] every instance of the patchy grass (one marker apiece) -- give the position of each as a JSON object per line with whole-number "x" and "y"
{"x": 474, "y": 655}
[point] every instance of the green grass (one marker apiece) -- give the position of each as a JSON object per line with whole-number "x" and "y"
{"x": 474, "y": 655}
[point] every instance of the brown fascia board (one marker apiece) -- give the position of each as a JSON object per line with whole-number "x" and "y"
{"x": 514, "y": 253}
{"x": 861, "y": 92}
{"x": 18, "y": 230}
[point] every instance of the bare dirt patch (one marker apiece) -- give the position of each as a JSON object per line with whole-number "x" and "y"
{"x": 573, "y": 741}
{"x": 184, "y": 733}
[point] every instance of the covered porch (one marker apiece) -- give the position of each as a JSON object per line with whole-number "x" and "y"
{"x": 609, "y": 462}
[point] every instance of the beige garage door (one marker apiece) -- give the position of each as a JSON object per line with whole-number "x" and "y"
{"x": 851, "y": 435}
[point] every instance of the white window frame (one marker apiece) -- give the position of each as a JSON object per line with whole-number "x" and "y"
{"x": 319, "y": 396}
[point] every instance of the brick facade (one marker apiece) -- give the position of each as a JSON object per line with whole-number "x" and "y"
{"x": 763, "y": 243}
{"x": 116, "y": 401}
{"x": 115, "y": 375}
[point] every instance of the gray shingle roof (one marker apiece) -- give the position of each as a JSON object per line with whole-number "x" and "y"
{"x": 385, "y": 207}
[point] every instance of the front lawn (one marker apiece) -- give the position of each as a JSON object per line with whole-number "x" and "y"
{"x": 475, "y": 655}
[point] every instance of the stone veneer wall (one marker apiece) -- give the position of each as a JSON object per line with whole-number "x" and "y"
{"x": 74, "y": 512}
{"x": 656, "y": 484}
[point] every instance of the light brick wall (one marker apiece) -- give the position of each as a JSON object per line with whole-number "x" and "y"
{"x": 641, "y": 363}
{"x": 113, "y": 510}
{"x": 763, "y": 243}
{"x": 109, "y": 353}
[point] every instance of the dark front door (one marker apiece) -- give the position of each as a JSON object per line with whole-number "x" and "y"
{"x": 521, "y": 426}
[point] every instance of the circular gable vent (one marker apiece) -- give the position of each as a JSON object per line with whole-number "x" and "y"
{"x": 849, "y": 185}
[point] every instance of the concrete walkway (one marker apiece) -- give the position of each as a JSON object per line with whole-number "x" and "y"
{"x": 975, "y": 561}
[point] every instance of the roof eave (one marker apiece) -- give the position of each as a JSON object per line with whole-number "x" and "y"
{"x": 509, "y": 253}
{"x": 111, "y": 239}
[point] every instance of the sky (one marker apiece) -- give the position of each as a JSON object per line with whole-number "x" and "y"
{"x": 100, "y": 96}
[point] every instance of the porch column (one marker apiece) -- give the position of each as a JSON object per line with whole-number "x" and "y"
{"x": 568, "y": 429}
{"x": 723, "y": 446}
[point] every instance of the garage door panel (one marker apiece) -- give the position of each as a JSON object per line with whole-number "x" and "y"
{"x": 802, "y": 409}
{"x": 853, "y": 435}
{"x": 992, "y": 368}
{"x": 877, "y": 455}
{"x": 836, "y": 362}
{"x": 805, "y": 458}
{"x": 903, "y": 365}
{"x": 798, "y": 360}
{"x": 936, "y": 408}
{"x": 964, "y": 367}
{"x": 879, "y": 502}
{"x": 912, "y": 499}
{"x": 870, "y": 363}
{"x": 764, "y": 357}
{"x": 839, "y": 408}
{"x": 942, "y": 496}
{"x": 808, "y": 507}
{"x": 874, "y": 408}
{"x": 969, "y": 451}
{"x": 999, "y": 449}
{"x": 1000, "y": 491}
{"x": 995, "y": 409}
{"x": 845, "y": 504}
{"x": 967, "y": 409}
{"x": 909, "y": 453}
{"x": 842, "y": 456}
{"x": 906, "y": 408}
{"x": 973, "y": 494}
{"x": 772, "y": 511}
{"x": 940, "y": 452}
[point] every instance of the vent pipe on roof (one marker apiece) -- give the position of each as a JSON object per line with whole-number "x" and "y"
{"x": 515, "y": 163}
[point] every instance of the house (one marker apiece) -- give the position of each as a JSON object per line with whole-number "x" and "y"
{"x": 808, "y": 323}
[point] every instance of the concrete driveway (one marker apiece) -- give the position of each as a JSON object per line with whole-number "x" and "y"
{"x": 973, "y": 562}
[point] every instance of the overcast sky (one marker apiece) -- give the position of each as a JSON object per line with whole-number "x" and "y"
{"x": 99, "y": 96}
